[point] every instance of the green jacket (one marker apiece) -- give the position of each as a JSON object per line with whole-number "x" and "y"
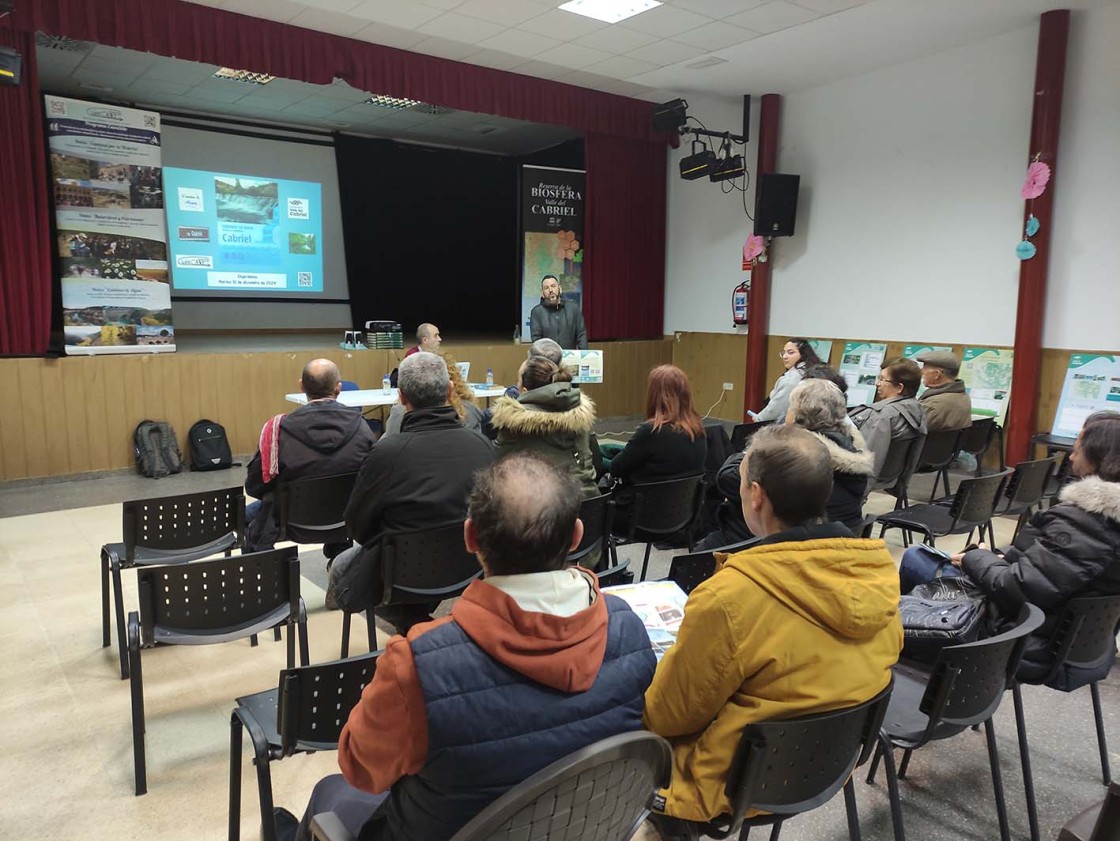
{"x": 555, "y": 422}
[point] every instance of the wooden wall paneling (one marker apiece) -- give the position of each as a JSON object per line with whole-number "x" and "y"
{"x": 96, "y": 416}
{"x": 118, "y": 430}
{"x": 710, "y": 360}
{"x": 190, "y": 398}
{"x": 13, "y": 440}
{"x": 52, "y": 398}
{"x": 81, "y": 401}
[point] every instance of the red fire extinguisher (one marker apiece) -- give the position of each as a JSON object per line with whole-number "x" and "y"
{"x": 739, "y": 303}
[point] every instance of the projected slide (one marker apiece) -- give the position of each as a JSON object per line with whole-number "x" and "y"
{"x": 243, "y": 233}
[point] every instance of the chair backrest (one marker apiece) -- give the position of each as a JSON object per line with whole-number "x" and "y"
{"x": 743, "y": 432}
{"x": 350, "y": 385}
{"x": 426, "y": 566}
{"x": 976, "y": 438}
{"x": 599, "y": 793}
{"x": 940, "y": 447}
{"x": 1085, "y": 633}
{"x": 222, "y": 593}
{"x": 967, "y": 681}
{"x": 1063, "y": 474}
{"x": 793, "y": 765}
{"x": 197, "y": 523}
{"x": 1028, "y": 483}
{"x": 597, "y": 513}
{"x": 666, "y": 507}
{"x": 975, "y": 500}
{"x": 690, "y": 571}
{"x": 315, "y": 506}
{"x": 313, "y": 702}
{"x": 900, "y": 458}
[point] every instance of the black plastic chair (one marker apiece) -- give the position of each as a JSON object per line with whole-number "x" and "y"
{"x": 1083, "y": 636}
{"x": 898, "y": 467}
{"x": 1059, "y": 480}
{"x": 690, "y": 571}
{"x": 313, "y": 510}
{"x": 597, "y": 514}
{"x": 1025, "y": 490}
{"x": 1100, "y": 822}
{"x": 938, "y": 452}
{"x": 660, "y": 509}
{"x": 789, "y": 766}
{"x": 602, "y": 791}
{"x": 962, "y": 688}
{"x": 167, "y": 530}
{"x": 743, "y": 432}
{"x": 972, "y": 508}
{"x": 210, "y": 602}
{"x": 303, "y": 714}
{"x": 419, "y": 567}
{"x": 976, "y": 439}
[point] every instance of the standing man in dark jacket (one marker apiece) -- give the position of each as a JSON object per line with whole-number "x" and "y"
{"x": 415, "y": 480}
{"x": 533, "y": 663}
{"x": 557, "y": 319}
{"x": 321, "y": 438}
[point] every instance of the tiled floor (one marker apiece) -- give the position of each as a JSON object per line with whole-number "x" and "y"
{"x": 66, "y": 762}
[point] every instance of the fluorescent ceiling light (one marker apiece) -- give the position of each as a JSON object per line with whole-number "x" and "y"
{"x": 609, "y": 11}
{"x": 396, "y": 102}
{"x": 243, "y": 76}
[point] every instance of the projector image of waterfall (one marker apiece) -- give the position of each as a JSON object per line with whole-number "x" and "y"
{"x": 246, "y": 200}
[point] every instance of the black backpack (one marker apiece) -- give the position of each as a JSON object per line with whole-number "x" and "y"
{"x": 157, "y": 449}
{"x": 209, "y": 447}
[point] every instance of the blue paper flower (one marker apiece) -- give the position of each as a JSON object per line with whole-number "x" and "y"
{"x": 1025, "y": 250}
{"x": 1032, "y": 225}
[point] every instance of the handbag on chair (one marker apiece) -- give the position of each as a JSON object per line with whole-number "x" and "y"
{"x": 945, "y": 611}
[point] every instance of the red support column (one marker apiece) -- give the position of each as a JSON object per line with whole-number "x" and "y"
{"x": 758, "y": 312}
{"x": 1046, "y": 121}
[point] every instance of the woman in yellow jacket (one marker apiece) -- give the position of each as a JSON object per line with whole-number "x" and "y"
{"x": 804, "y": 621}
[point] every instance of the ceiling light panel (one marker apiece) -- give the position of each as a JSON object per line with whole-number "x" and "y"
{"x": 251, "y": 78}
{"x": 609, "y": 11}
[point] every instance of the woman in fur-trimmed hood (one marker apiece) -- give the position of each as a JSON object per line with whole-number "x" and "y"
{"x": 819, "y": 406}
{"x": 551, "y": 419}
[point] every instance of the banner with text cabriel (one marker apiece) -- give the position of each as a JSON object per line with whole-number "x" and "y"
{"x": 107, "y": 178}
{"x": 551, "y": 235}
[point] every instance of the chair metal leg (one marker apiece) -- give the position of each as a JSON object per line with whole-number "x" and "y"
{"x": 235, "y": 776}
{"x": 371, "y": 630}
{"x": 1025, "y": 760}
{"x": 776, "y": 831}
{"x": 1102, "y": 744}
{"x": 345, "y": 634}
{"x": 997, "y": 781}
{"x": 875, "y": 757}
{"x": 136, "y": 686}
{"x": 104, "y": 599}
{"x": 304, "y": 653}
{"x": 850, "y": 808}
{"x": 264, "y": 790}
{"x": 892, "y": 789}
{"x": 118, "y": 607}
{"x": 905, "y": 764}
{"x": 276, "y": 633}
{"x": 645, "y": 561}
{"x": 291, "y": 640}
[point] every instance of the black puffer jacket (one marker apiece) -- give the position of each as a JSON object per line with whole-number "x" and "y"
{"x": 853, "y": 466}
{"x": 1070, "y": 550}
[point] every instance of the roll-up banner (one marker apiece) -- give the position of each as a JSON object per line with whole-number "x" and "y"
{"x": 551, "y": 235}
{"x": 107, "y": 176}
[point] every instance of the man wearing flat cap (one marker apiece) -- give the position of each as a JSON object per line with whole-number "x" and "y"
{"x": 944, "y": 402}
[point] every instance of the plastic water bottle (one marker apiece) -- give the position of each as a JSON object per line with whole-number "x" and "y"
{"x": 386, "y": 385}
{"x": 489, "y": 377}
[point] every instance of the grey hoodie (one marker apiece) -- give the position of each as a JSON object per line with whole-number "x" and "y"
{"x": 882, "y": 422}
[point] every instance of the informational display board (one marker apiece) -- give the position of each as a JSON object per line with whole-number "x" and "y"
{"x": 860, "y": 365}
{"x": 551, "y": 235}
{"x": 237, "y": 232}
{"x": 911, "y": 351}
{"x": 823, "y": 348}
{"x": 585, "y": 366}
{"x": 660, "y": 606}
{"x": 107, "y": 178}
{"x": 986, "y": 372}
{"x": 1092, "y": 384}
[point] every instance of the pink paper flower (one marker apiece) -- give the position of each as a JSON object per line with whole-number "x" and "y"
{"x": 1038, "y": 176}
{"x": 753, "y": 247}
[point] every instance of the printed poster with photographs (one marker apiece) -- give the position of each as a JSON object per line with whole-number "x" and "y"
{"x": 911, "y": 351}
{"x": 986, "y": 372}
{"x": 822, "y": 348}
{"x": 859, "y": 365}
{"x": 585, "y": 366}
{"x": 660, "y": 606}
{"x": 107, "y": 178}
{"x": 1092, "y": 385}
{"x": 551, "y": 235}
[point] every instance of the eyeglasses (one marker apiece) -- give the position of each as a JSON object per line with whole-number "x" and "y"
{"x": 885, "y": 382}
{"x": 782, "y": 354}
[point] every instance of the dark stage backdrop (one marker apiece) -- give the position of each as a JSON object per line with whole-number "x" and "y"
{"x": 431, "y": 234}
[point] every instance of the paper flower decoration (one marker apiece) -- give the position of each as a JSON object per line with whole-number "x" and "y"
{"x": 1033, "y": 225}
{"x": 753, "y": 247}
{"x": 1038, "y": 176}
{"x": 1025, "y": 250}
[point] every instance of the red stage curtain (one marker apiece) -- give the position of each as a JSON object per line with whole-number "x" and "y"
{"x": 25, "y": 231}
{"x": 624, "y": 274}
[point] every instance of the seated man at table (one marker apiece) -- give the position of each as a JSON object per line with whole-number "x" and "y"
{"x": 945, "y": 403}
{"x": 321, "y": 438}
{"x": 417, "y": 479}
{"x": 533, "y": 663}
{"x": 804, "y": 621}
{"x": 427, "y": 339}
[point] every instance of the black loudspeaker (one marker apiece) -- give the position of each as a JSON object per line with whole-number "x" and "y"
{"x": 775, "y": 209}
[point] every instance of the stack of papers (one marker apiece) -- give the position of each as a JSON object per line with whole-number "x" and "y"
{"x": 660, "y": 606}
